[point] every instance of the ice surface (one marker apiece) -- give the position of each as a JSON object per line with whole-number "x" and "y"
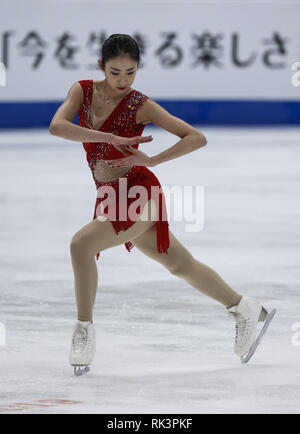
{"x": 162, "y": 346}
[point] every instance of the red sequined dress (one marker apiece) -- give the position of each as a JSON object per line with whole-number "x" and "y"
{"x": 121, "y": 122}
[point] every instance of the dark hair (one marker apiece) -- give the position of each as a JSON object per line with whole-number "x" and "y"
{"x": 118, "y": 44}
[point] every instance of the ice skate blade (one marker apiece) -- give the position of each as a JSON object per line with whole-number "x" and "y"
{"x": 269, "y": 317}
{"x": 80, "y": 370}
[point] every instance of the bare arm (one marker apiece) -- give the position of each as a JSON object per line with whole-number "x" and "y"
{"x": 191, "y": 138}
{"x": 70, "y": 131}
{"x": 62, "y": 125}
{"x": 62, "y": 122}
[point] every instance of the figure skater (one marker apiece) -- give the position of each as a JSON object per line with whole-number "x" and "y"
{"x": 112, "y": 118}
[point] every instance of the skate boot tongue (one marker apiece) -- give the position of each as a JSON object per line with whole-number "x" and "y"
{"x": 83, "y": 323}
{"x": 232, "y": 309}
{"x": 242, "y": 308}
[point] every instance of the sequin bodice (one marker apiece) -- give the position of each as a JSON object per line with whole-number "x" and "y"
{"x": 121, "y": 122}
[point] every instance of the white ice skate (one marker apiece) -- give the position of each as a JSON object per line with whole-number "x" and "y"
{"x": 248, "y": 313}
{"x": 83, "y": 347}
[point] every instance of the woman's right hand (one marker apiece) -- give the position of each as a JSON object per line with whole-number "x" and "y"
{"x": 121, "y": 142}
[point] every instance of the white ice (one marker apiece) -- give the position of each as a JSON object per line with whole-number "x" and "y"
{"x": 162, "y": 346}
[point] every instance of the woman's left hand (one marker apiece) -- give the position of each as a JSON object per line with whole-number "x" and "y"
{"x": 138, "y": 158}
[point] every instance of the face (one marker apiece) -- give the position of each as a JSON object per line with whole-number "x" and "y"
{"x": 120, "y": 72}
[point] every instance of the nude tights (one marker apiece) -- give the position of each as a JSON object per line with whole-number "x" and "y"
{"x": 98, "y": 236}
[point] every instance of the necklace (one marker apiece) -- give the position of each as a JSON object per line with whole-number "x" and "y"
{"x": 107, "y": 100}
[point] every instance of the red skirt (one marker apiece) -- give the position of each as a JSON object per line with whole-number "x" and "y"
{"x": 120, "y": 200}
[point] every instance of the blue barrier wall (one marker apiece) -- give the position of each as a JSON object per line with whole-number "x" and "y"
{"x": 26, "y": 115}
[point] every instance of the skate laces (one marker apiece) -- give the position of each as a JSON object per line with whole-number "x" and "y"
{"x": 242, "y": 327}
{"x": 80, "y": 339}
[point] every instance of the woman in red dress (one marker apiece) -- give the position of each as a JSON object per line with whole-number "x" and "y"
{"x": 112, "y": 118}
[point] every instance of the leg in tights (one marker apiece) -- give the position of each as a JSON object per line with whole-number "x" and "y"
{"x": 181, "y": 263}
{"x": 98, "y": 235}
